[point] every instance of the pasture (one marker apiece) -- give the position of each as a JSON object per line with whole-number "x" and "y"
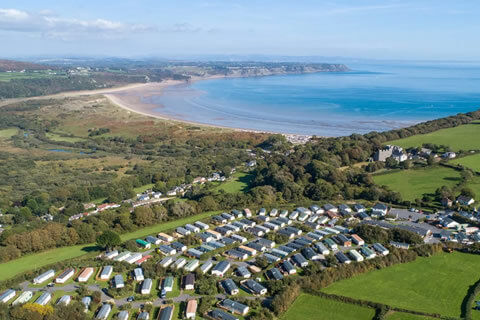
{"x": 472, "y": 162}
{"x": 412, "y": 184}
{"x": 457, "y": 138}
{"x": 436, "y": 284}
{"x": 239, "y": 182}
{"x": 310, "y": 307}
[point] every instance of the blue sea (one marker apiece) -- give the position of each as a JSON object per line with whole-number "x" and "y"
{"x": 374, "y": 96}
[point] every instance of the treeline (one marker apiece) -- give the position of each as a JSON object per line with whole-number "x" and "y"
{"x": 372, "y": 234}
{"x": 33, "y": 311}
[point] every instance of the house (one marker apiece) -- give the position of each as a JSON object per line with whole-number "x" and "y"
{"x": 465, "y": 201}
{"x": 254, "y": 287}
{"x": 379, "y": 210}
{"x": 104, "y": 311}
{"x": 189, "y": 282}
{"x": 65, "y": 300}
{"x": 85, "y": 275}
{"x": 65, "y": 275}
{"x": 449, "y": 223}
{"x": 167, "y": 284}
{"x": 106, "y": 273}
{"x": 44, "y": 277}
{"x": 118, "y": 281}
{"x": 44, "y": 299}
{"x": 166, "y": 313}
{"x": 7, "y": 296}
{"x": 221, "y": 268}
{"x": 146, "y": 286}
{"x": 449, "y": 155}
{"x": 138, "y": 274}
{"x": 229, "y": 286}
{"x": 234, "y": 307}
{"x": 24, "y": 297}
{"x": 217, "y": 314}
{"x": 191, "y": 309}
{"x": 447, "y": 202}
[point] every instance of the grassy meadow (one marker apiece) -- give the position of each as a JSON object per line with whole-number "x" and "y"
{"x": 309, "y": 307}
{"x": 412, "y": 184}
{"x": 239, "y": 182}
{"x": 436, "y": 284}
{"x": 8, "y": 133}
{"x": 458, "y": 138}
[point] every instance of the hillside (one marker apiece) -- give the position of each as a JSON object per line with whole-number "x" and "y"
{"x": 12, "y": 65}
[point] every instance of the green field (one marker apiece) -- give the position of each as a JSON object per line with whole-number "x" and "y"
{"x": 406, "y": 316}
{"x": 472, "y": 162}
{"x": 7, "y": 76}
{"x": 457, "y": 138}
{"x": 435, "y": 285}
{"x": 144, "y": 188}
{"x": 308, "y": 307}
{"x": 29, "y": 262}
{"x": 240, "y": 182}
{"x": 8, "y": 133}
{"x": 412, "y": 184}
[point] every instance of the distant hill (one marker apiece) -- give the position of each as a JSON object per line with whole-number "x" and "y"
{"x": 11, "y": 65}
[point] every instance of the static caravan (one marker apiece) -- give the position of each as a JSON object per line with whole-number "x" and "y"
{"x": 44, "y": 299}
{"x": 167, "y": 284}
{"x": 65, "y": 300}
{"x": 85, "y": 275}
{"x": 342, "y": 258}
{"x": 221, "y": 268}
{"x": 122, "y": 256}
{"x": 104, "y": 311}
{"x": 254, "y": 287}
{"x": 24, "y": 297}
{"x": 143, "y": 244}
{"x": 153, "y": 240}
{"x": 367, "y": 252}
{"x": 118, "y": 281}
{"x": 192, "y": 228}
{"x": 206, "y": 266}
{"x": 201, "y": 225}
{"x": 134, "y": 258}
{"x": 106, "y": 273}
{"x": 146, "y": 286}
{"x": 65, "y": 275}
{"x": 357, "y": 240}
{"x": 111, "y": 254}
{"x": 165, "y": 237}
{"x": 321, "y": 248}
{"x": 167, "y": 261}
{"x": 180, "y": 263}
{"x": 380, "y": 249}
{"x": 167, "y": 250}
{"x": 300, "y": 260}
{"x": 355, "y": 255}
{"x": 192, "y": 265}
{"x": 229, "y": 286}
{"x": 7, "y": 296}
{"x": 138, "y": 274}
{"x": 288, "y": 267}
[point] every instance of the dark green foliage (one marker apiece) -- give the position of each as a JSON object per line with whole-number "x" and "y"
{"x": 108, "y": 239}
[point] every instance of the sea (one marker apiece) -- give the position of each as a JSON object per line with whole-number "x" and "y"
{"x": 374, "y": 96}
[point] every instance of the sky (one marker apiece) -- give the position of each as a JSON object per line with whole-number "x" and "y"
{"x": 384, "y": 29}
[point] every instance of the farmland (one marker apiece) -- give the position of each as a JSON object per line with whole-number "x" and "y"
{"x": 312, "y": 307}
{"x": 412, "y": 184}
{"x": 434, "y": 285}
{"x": 457, "y": 138}
{"x": 8, "y": 133}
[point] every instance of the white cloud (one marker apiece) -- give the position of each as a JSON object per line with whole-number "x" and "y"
{"x": 46, "y": 23}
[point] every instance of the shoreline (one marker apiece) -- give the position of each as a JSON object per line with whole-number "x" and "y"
{"x": 129, "y": 100}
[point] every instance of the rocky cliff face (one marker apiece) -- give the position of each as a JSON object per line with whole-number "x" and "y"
{"x": 284, "y": 69}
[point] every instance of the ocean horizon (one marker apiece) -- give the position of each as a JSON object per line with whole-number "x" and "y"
{"x": 372, "y": 97}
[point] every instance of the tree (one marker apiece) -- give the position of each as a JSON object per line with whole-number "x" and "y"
{"x": 108, "y": 239}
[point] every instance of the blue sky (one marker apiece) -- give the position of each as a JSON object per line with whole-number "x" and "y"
{"x": 386, "y": 29}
